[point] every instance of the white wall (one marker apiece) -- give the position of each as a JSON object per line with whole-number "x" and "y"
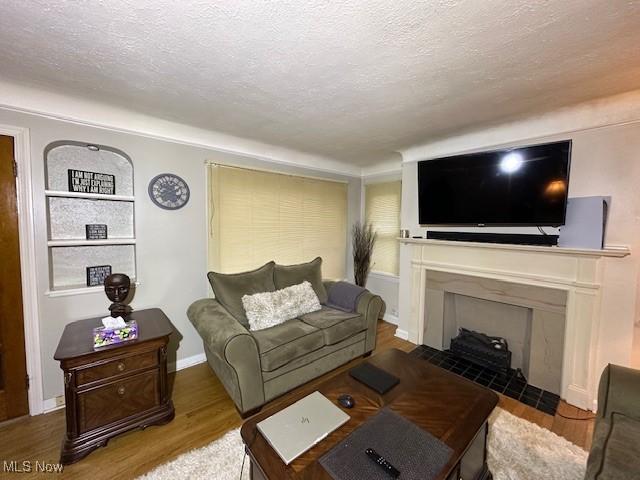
{"x": 386, "y": 286}
{"x": 605, "y": 161}
{"x": 171, "y": 245}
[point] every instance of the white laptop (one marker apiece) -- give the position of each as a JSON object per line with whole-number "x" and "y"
{"x": 295, "y": 429}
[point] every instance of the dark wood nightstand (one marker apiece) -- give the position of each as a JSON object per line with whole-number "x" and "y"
{"x": 116, "y": 388}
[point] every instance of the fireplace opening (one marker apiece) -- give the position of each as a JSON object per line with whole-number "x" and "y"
{"x": 483, "y": 350}
{"x": 502, "y": 336}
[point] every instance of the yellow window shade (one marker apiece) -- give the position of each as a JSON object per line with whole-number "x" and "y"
{"x": 382, "y": 211}
{"x": 260, "y": 216}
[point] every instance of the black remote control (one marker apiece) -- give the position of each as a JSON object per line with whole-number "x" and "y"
{"x": 382, "y": 462}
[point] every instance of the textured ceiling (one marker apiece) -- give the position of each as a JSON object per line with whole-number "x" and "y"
{"x": 352, "y": 80}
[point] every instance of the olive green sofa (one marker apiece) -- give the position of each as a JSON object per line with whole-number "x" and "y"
{"x": 257, "y": 366}
{"x": 615, "y": 450}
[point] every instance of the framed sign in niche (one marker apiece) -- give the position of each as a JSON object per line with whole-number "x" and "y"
{"x": 90, "y": 215}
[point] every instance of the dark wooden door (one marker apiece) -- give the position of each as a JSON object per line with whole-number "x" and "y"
{"x": 13, "y": 371}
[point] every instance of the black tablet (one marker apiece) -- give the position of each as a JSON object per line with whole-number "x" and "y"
{"x": 374, "y": 378}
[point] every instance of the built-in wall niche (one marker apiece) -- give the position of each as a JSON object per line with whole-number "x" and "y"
{"x": 90, "y": 214}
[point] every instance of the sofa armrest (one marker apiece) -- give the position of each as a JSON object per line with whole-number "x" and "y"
{"x": 619, "y": 392}
{"x": 214, "y": 323}
{"x": 370, "y": 306}
{"x": 328, "y": 284}
{"x": 231, "y": 351}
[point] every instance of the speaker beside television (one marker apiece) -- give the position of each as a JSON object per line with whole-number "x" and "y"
{"x": 586, "y": 223}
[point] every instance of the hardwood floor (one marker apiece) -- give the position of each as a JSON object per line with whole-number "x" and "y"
{"x": 204, "y": 412}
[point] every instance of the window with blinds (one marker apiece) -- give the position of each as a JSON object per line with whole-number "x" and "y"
{"x": 382, "y": 210}
{"x": 260, "y": 216}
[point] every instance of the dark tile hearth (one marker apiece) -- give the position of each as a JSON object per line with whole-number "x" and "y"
{"x": 510, "y": 385}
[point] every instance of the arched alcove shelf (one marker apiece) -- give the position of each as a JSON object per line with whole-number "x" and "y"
{"x": 88, "y": 184}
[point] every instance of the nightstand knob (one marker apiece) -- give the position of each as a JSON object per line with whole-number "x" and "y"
{"x": 121, "y": 367}
{"x": 120, "y": 390}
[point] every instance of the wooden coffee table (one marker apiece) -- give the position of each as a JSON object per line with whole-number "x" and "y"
{"x": 450, "y": 407}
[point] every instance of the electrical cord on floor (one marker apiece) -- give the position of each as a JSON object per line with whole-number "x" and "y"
{"x": 244, "y": 457}
{"x": 575, "y": 418}
{"x": 246, "y": 448}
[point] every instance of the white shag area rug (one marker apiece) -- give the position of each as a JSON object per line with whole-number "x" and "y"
{"x": 220, "y": 460}
{"x": 516, "y": 450}
{"x": 521, "y": 450}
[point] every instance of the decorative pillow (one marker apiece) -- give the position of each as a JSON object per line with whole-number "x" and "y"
{"x": 229, "y": 288}
{"x": 267, "y": 309}
{"x": 287, "y": 275}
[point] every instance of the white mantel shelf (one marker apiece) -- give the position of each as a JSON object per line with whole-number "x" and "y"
{"x": 610, "y": 251}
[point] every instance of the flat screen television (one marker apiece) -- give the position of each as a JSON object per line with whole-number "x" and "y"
{"x": 524, "y": 186}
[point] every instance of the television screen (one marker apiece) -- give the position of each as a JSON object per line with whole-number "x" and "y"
{"x": 518, "y": 186}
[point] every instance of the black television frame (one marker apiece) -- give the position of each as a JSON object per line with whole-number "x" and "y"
{"x": 505, "y": 150}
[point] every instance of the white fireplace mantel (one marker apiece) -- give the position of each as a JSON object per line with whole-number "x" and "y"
{"x": 578, "y": 272}
{"x": 610, "y": 251}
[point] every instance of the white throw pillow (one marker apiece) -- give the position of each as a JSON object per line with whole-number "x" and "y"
{"x": 267, "y": 309}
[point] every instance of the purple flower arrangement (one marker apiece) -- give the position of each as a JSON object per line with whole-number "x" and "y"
{"x": 103, "y": 336}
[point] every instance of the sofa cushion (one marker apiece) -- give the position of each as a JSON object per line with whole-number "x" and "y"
{"x": 615, "y": 452}
{"x": 287, "y": 275}
{"x": 326, "y": 351}
{"x": 335, "y": 325}
{"x": 283, "y": 343}
{"x": 229, "y": 288}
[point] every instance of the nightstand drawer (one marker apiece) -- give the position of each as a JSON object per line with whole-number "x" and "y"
{"x": 116, "y": 367}
{"x": 118, "y": 400}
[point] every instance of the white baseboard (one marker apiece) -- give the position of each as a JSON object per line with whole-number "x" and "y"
{"x": 49, "y": 405}
{"x": 390, "y": 318}
{"x": 183, "y": 363}
{"x": 403, "y": 334}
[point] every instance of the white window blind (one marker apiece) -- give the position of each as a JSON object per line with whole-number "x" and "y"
{"x": 260, "y": 216}
{"x": 382, "y": 210}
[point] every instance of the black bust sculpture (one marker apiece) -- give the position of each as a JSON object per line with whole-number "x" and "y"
{"x": 117, "y": 287}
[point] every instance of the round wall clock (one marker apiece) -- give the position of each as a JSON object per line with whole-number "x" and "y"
{"x": 169, "y": 191}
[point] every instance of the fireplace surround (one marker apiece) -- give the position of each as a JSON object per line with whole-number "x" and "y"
{"x": 555, "y": 283}
{"x": 530, "y": 317}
